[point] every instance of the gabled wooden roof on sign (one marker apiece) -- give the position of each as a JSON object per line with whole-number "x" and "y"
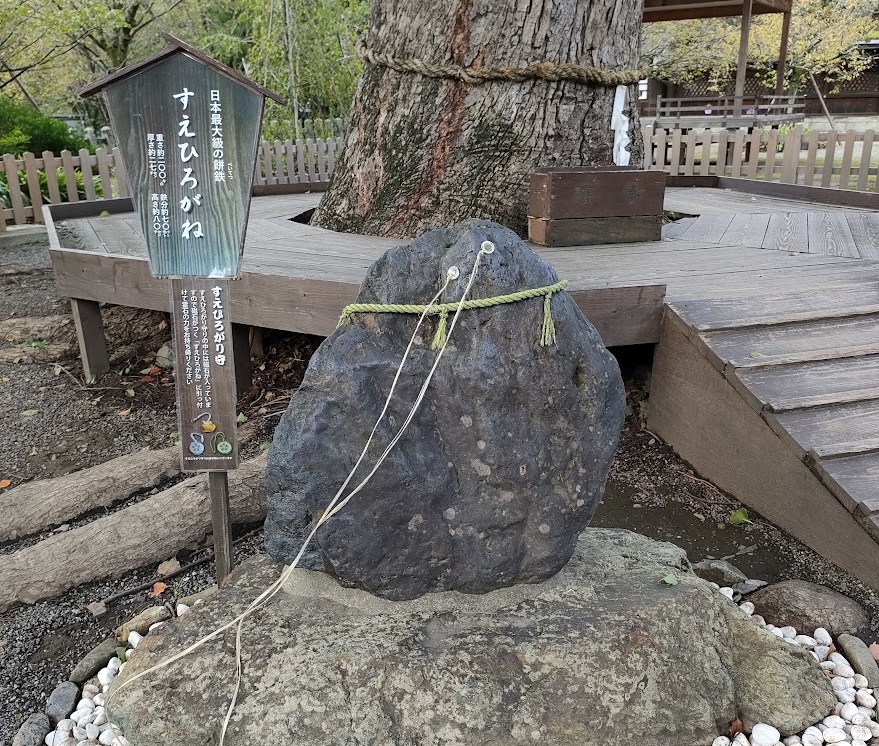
{"x": 175, "y": 45}
{"x": 676, "y": 10}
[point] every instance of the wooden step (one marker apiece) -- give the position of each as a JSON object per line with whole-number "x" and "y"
{"x": 802, "y": 385}
{"x": 854, "y": 480}
{"x": 782, "y": 344}
{"x": 856, "y": 299}
{"x": 835, "y": 427}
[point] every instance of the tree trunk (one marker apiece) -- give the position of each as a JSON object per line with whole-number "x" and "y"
{"x": 146, "y": 532}
{"x": 423, "y": 152}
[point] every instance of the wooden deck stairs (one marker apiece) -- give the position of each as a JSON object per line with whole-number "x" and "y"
{"x": 775, "y": 399}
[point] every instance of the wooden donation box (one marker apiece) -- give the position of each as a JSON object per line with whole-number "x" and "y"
{"x": 595, "y": 205}
{"x": 188, "y": 131}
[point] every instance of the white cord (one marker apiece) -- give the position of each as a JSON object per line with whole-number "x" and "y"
{"x": 336, "y": 504}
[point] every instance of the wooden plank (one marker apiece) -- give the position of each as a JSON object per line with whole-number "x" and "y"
{"x": 791, "y": 155}
{"x": 301, "y": 174}
{"x": 754, "y": 154}
{"x": 869, "y": 445}
{"x": 104, "y": 172}
{"x": 69, "y": 176}
{"x": 864, "y": 227}
{"x": 802, "y": 385}
{"x": 787, "y": 231}
{"x": 33, "y": 186}
{"x": 853, "y": 479}
{"x": 85, "y": 168}
{"x": 864, "y": 167}
{"x": 660, "y": 150}
{"x": 828, "y": 427}
{"x": 121, "y": 175}
{"x": 738, "y": 147}
{"x": 647, "y": 138}
{"x": 846, "y": 165}
{"x": 674, "y": 165}
{"x": 90, "y": 336}
{"x": 50, "y": 166}
{"x": 321, "y": 145}
{"x": 708, "y": 227}
{"x": 791, "y": 343}
{"x": 16, "y": 198}
{"x": 829, "y": 155}
{"x": 722, "y": 140}
{"x": 280, "y": 170}
{"x": 588, "y": 231}
{"x": 690, "y": 153}
{"x": 771, "y": 155}
{"x": 811, "y": 158}
{"x": 708, "y": 424}
{"x": 746, "y": 230}
{"x": 595, "y": 193}
{"x": 829, "y": 234}
{"x": 845, "y": 198}
{"x": 311, "y": 160}
{"x": 674, "y": 229}
{"x": 623, "y": 315}
{"x": 857, "y": 299}
{"x": 705, "y": 162}
{"x": 268, "y": 167}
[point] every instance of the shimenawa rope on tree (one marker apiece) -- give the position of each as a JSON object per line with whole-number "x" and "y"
{"x": 544, "y": 70}
{"x": 547, "y": 336}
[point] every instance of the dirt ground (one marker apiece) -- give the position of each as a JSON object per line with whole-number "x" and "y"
{"x": 56, "y": 423}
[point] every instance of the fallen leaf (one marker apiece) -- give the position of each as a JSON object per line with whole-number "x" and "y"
{"x": 125, "y": 412}
{"x": 29, "y": 412}
{"x": 146, "y": 371}
{"x": 4, "y": 483}
{"x": 874, "y": 650}
{"x": 147, "y": 379}
{"x": 757, "y": 355}
{"x": 241, "y": 418}
{"x": 129, "y": 393}
{"x": 738, "y": 517}
{"x": 154, "y": 370}
{"x": 158, "y": 589}
{"x": 57, "y": 369}
{"x": 735, "y": 727}
{"x": 671, "y": 579}
{"x": 168, "y": 566}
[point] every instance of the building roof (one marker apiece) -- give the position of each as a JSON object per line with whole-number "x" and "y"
{"x": 676, "y": 10}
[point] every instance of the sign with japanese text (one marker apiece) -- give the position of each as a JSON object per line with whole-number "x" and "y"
{"x": 205, "y": 374}
{"x": 189, "y": 135}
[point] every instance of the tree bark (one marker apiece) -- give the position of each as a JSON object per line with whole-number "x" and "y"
{"x": 423, "y": 152}
{"x": 41, "y": 504}
{"x": 149, "y": 531}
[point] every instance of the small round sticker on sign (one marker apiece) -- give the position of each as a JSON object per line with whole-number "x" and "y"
{"x": 221, "y": 445}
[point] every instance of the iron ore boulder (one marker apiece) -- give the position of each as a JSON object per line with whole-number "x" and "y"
{"x": 504, "y": 462}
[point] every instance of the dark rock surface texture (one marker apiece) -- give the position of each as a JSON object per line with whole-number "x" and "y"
{"x": 505, "y": 460}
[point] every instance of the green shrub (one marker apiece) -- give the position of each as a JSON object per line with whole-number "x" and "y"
{"x": 23, "y": 128}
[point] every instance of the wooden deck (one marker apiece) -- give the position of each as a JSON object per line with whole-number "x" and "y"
{"x": 765, "y": 375}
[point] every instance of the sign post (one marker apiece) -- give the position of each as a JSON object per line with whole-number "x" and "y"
{"x": 188, "y": 131}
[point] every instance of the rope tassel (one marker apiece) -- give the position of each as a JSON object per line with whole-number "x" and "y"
{"x": 439, "y": 339}
{"x": 547, "y": 335}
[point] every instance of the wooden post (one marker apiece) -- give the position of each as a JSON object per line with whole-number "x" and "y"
{"x": 241, "y": 353}
{"x": 90, "y": 335}
{"x": 782, "y": 53}
{"x": 742, "y": 65}
{"x": 218, "y": 484}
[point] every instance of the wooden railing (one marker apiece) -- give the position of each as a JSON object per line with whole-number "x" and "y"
{"x": 724, "y": 111}
{"x": 848, "y": 160}
{"x": 32, "y": 182}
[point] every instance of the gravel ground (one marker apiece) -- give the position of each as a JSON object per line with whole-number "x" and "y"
{"x": 55, "y": 423}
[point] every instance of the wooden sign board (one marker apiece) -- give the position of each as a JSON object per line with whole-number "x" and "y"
{"x": 188, "y": 130}
{"x": 205, "y": 373}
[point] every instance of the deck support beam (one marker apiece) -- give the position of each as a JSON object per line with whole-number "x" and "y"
{"x": 782, "y": 53}
{"x": 90, "y": 336}
{"x": 742, "y": 65}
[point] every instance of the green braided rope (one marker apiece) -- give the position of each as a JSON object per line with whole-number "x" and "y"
{"x": 443, "y": 309}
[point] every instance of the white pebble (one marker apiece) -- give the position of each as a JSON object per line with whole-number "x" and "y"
{"x": 747, "y": 607}
{"x": 758, "y": 618}
{"x": 92, "y": 732}
{"x": 843, "y": 669}
{"x": 134, "y": 639}
{"x": 861, "y": 681}
{"x": 813, "y": 740}
{"x": 105, "y": 676}
{"x": 65, "y": 725}
{"x": 741, "y": 740}
{"x": 806, "y": 641}
{"x": 822, "y": 636}
{"x": 845, "y": 695}
{"x": 107, "y": 737}
{"x": 79, "y": 733}
{"x": 865, "y": 699}
{"x": 57, "y": 737}
{"x": 813, "y": 732}
{"x": 858, "y": 742}
{"x": 828, "y": 665}
{"x": 837, "y": 658}
{"x": 788, "y": 633}
{"x": 834, "y": 721}
{"x": 860, "y": 732}
{"x": 728, "y": 592}
{"x": 839, "y": 683}
{"x": 874, "y": 727}
{"x": 777, "y": 632}
{"x": 99, "y": 699}
{"x": 85, "y": 704}
{"x": 182, "y": 609}
{"x": 155, "y": 626}
{"x": 721, "y": 741}
{"x": 848, "y": 711}
{"x": 114, "y": 663}
{"x": 764, "y": 735}
{"x": 868, "y": 711}
{"x": 90, "y": 690}
{"x": 822, "y": 651}
{"x": 100, "y": 718}
{"x": 791, "y": 741}
{"x": 834, "y": 735}
{"x": 79, "y": 716}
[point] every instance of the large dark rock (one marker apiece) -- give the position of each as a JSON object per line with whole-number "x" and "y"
{"x": 604, "y": 652}
{"x": 807, "y": 606}
{"x": 506, "y": 459}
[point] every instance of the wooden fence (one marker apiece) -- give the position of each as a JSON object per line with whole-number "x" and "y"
{"x": 848, "y": 160}
{"x": 281, "y": 166}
